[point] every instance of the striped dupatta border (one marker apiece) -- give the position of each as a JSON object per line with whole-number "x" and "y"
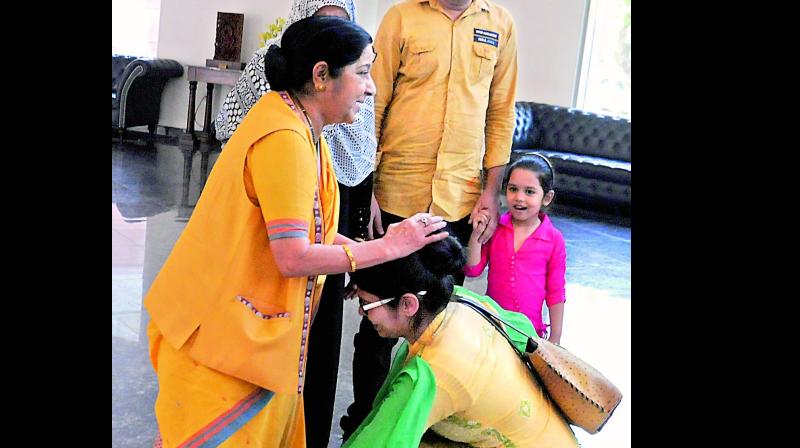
{"x": 227, "y": 423}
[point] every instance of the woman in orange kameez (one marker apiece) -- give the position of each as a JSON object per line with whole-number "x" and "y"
{"x": 232, "y": 306}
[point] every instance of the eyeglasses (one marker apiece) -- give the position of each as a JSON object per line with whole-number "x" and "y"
{"x": 368, "y": 306}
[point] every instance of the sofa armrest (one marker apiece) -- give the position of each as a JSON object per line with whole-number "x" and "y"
{"x": 140, "y": 88}
{"x": 153, "y": 68}
{"x": 148, "y": 71}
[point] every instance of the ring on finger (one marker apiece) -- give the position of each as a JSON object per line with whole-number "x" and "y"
{"x": 424, "y": 221}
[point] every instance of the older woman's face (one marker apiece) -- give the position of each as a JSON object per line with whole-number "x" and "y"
{"x": 349, "y": 91}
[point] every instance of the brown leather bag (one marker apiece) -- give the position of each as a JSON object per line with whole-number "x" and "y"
{"x": 584, "y": 396}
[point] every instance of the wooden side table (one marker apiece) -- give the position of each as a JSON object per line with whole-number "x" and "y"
{"x": 210, "y": 76}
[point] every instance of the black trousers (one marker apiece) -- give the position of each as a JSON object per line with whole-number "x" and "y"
{"x": 326, "y": 330}
{"x": 372, "y": 353}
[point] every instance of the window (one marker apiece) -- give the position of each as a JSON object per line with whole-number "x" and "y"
{"x": 605, "y": 81}
{"x": 134, "y": 27}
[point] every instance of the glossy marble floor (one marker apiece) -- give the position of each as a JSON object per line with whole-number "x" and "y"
{"x": 153, "y": 190}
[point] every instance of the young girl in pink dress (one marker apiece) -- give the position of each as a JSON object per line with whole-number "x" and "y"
{"x": 526, "y": 254}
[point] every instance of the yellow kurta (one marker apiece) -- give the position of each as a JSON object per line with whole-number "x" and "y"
{"x": 484, "y": 394}
{"x": 462, "y": 380}
{"x": 220, "y": 301}
{"x": 444, "y": 90}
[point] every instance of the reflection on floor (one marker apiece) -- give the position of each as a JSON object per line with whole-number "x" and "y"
{"x": 153, "y": 191}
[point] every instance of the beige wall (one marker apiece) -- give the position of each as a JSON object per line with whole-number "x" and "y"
{"x": 549, "y": 37}
{"x": 186, "y": 33}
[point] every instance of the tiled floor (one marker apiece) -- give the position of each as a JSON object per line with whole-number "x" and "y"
{"x": 148, "y": 212}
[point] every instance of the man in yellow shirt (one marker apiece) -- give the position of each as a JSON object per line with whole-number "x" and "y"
{"x": 446, "y": 78}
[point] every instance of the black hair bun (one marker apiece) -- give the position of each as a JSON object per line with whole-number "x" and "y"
{"x": 445, "y": 257}
{"x": 275, "y": 68}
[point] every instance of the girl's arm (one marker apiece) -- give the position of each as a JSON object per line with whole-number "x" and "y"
{"x": 556, "y": 287}
{"x": 476, "y": 252}
{"x": 474, "y": 246}
{"x": 556, "y": 321}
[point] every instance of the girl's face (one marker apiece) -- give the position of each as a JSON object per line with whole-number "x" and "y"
{"x": 525, "y": 195}
{"x": 388, "y": 322}
{"x": 349, "y": 91}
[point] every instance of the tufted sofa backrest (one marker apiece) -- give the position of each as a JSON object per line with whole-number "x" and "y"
{"x": 544, "y": 126}
{"x": 526, "y": 131}
{"x": 118, "y": 65}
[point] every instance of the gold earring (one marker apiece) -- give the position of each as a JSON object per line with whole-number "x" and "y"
{"x": 320, "y": 87}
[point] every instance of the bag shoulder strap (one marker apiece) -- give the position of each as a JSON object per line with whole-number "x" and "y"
{"x": 495, "y": 320}
{"x": 530, "y": 347}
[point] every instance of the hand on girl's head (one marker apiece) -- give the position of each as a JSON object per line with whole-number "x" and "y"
{"x": 411, "y": 234}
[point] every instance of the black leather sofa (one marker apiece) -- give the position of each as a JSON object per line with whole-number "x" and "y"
{"x": 136, "y": 88}
{"x": 590, "y": 153}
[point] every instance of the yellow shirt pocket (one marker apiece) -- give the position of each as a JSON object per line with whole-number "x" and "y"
{"x": 484, "y": 58}
{"x": 420, "y": 59}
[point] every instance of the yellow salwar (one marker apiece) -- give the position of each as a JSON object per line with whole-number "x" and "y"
{"x": 205, "y": 404}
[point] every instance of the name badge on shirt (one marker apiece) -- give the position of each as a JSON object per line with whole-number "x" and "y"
{"x": 486, "y": 37}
